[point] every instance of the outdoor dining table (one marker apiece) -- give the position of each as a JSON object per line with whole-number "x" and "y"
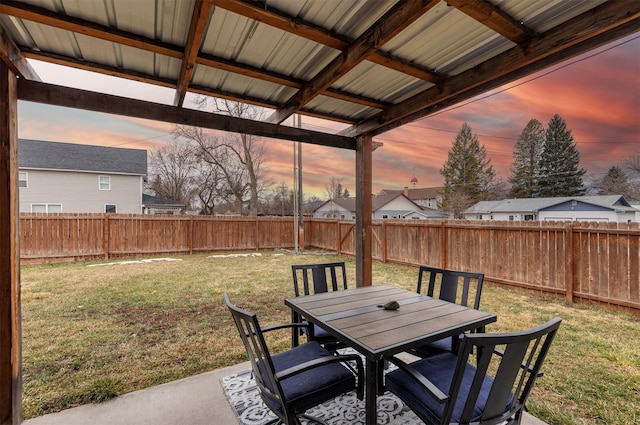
{"x": 357, "y": 318}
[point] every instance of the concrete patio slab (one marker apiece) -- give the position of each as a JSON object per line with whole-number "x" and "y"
{"x": 197, "y": 400}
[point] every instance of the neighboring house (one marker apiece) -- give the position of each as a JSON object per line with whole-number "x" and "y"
{"x": 383, "y": 207}
{"x": 154, "y": 205}
{"x": 426, "y": 197}
{"x": 613, "y": 208}
{"x": 68, "y": 177}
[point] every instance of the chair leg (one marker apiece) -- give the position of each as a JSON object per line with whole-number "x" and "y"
{"x": 314, "y": 419}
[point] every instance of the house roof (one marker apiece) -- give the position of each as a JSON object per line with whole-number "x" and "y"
{"x": 151, "y": 201}
{"x": 374, "y": 65}
{"x": 377, "y": 202}
{"x": 614, "y": 202}
{"x": 428, "y": 213}
{"x": 37, "y": 154}
{"x": 417, "y": 192}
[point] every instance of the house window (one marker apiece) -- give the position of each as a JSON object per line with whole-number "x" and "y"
{"x": 511, "y": 218}
{"x": 385, "y": 216}
{"x": 110, "y": 208}
{"x": 23, "y": 179}
{"x": 104, "y": 182}
{"x": 46, "y": 208}
{"x": 528, "y": 217}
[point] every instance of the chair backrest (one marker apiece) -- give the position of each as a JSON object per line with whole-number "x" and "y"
{"x": 259, "y": 356}
{"x": 315, "y": 278}
{"x": 512, "y": 360}
{"x": 452, "y": 285}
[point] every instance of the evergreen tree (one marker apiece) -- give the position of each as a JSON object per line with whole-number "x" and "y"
{"x": 615, "y": 182}
{"x": 468, "y": 174}
{"x": 559, "y": 162}
{"x": 526, "y": 160}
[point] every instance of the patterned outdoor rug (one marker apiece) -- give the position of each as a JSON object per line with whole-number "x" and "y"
{"x": 242, "y": 393}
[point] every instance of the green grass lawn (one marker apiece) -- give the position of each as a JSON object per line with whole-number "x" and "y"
{"x": 91, "y": 333}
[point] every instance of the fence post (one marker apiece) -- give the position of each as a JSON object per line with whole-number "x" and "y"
{"x": 257, "y": 234}
{"x": 339, "y": 238}
{"x": 569, "y": 261}
{"x": 443, "y": 245}
{"x": 105, "y": 236}
{"x": 191, "y": 235}
{"x": 384, "y": 241}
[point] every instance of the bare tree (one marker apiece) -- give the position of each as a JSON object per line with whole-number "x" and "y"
{"x": 239, "y": 156}
{"x": 334, "y": 188}
{"x": 633, "y": 164}
{"x": 172, "y": 172}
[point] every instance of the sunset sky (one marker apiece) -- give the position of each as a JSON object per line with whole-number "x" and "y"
{"x": 597, "y": 94}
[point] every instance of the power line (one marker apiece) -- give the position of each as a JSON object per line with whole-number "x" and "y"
{"x": 139, "y": 140}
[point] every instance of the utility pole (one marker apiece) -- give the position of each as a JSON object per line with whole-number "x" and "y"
{"x": 297, "y": 189}
{"x": 300, "y": 227}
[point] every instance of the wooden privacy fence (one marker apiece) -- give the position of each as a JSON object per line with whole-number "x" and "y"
{"x": 583, "y": 262}
{"x": 70, "y": 237}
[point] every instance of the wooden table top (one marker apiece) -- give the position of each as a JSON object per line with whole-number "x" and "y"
{"x": 356, "y": 317}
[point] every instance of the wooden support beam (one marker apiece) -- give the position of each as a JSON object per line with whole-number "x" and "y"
{"x": 10, "y": 323}
{"x": 12, "y": 57}
{"x": 364, "y": 193}
{"x": 389, "y": 25}
{"x": 81, "y": 99}
{"x": 199, "y": 20}
{"x": 401, "y": 65}
{"x": 494, "y": 18}
{"x": 261, "y": 12}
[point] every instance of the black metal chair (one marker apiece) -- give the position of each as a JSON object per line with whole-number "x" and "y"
{"x": 312, "y": 279}
{"x": 462, "y": 389}
{"x": 296, "y": 380}
{"x": 453, "y": 286}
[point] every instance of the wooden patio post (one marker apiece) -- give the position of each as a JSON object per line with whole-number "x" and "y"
{"x": 364, "y": 173}
{"x": 10, "y": 324}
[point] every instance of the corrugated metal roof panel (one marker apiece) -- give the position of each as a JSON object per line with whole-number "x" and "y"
{"x": 292, "y": 55}
{"x": 341, "y": 108}
{"x": 240, "y": 84}
{"x": 378, "y": 82}
{"x": 349, "y": 18}
{"x": 234, "y": 37}
{"x": 454, "y": 41}
{"x": 542, "y": 15}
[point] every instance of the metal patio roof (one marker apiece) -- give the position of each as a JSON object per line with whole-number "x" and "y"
{"x": 374, "y": 65}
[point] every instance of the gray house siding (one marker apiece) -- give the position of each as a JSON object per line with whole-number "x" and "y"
{"x": 65, "y": 177}
{"x": 79, "y": 192}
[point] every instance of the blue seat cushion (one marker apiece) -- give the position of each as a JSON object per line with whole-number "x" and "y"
{"x": 434, "y": 348}
{"x": 322, "y": 336}
{"x": 314, "y": 386}
{"x": 439, "y": 370}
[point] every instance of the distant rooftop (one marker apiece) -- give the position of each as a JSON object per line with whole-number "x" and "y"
{"x": 42, "y": 155}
